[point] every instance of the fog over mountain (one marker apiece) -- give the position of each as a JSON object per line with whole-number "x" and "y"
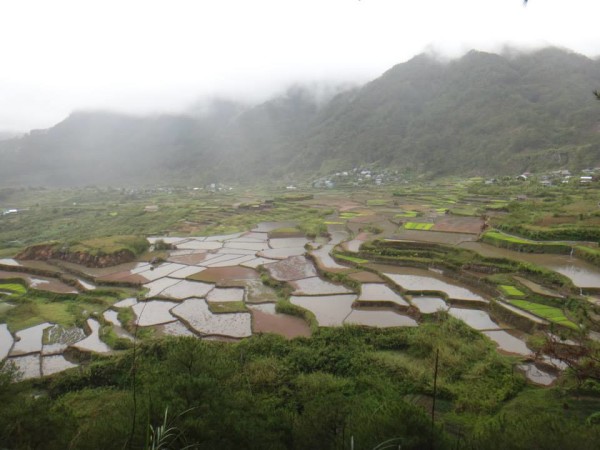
{"x": 148, "y": 56}
{"x": 480, "y": 114}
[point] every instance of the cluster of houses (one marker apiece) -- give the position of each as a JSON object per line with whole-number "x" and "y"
{"x": 357, "y": 177}
{"x": 557, "y": 177}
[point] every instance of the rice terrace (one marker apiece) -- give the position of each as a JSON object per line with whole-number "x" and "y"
{"x": 233, "y": 276}
{"x": 300, "y": 225}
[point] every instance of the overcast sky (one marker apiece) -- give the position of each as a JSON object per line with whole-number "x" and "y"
{"x": 144, "y": 56}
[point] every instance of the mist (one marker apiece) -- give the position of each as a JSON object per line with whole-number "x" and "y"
{"x": 149, "y": 57}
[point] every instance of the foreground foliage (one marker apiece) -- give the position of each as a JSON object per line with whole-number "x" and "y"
{"x": 268, "y": 393}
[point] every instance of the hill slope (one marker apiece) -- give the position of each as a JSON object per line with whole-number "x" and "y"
{"x": 480, "y": 114}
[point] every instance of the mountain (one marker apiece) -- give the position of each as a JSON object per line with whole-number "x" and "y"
{"x": 480, "y": 114}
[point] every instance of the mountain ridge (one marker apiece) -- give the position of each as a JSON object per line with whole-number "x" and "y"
{"x": 481, "y": 114}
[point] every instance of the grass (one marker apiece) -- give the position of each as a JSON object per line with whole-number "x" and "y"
{"x": 351, "y": 258}
{"x": 377, "y": 202}
{"x": 111, "y": 244}
{"x": 547, "y": 312}
{"x": 406, "y": 214}
{"x": 61, "y": 310}
{"x": 14, "y": 288}
{"x": 284, "y": 232}
{"x": 424, "y": 226}
{"x": 511, "y": 291}
{"x": 465, "y": 211}
{"x": 349, "y": 215}
{"x": 498, "y": 236}
{"x": 227, "y": 307}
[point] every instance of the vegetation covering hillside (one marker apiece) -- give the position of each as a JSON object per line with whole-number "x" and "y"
{"x": 370, "y": 386}
{"x": 480, "y": 114}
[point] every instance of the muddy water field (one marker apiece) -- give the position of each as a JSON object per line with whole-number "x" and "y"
{"x": 230, "y": 282}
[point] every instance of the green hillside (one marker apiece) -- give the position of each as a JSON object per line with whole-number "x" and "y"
{"x": 480, "y": 114}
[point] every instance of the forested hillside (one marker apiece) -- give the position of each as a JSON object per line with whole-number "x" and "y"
{"x": 480, "y": 114}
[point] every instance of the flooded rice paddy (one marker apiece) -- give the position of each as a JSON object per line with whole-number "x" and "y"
{"x": 413, "y": 279}
{"x": 28, "y": 366}
{"x": 325, "y": 261}
{"x": 329, "y": 310}
{"x": 153, "y": 312}
{"x": 429, "y": 305}
{"x": 196, "y": 314}
{"x": 508, "y": 343}
{"x": 475, "y": 318}
{"x": 266, "y": 320}
{"x": 222, "y": 269}
{"x": 29, "y": 340}
{"x": 317, "y": 286}
{"x": 226, "y": 295}
{"x": 537, "y": 375}
{"x": 92, "y": 343}
{"x": 380, "y": 318}
{"x": 186, "y": 289}
{"x": 581, "y": 273}
{"x": 375, "y": 292}
{"x": 55, "y": 364}
{"x": 293, "y": 268}
{"x": 6, "y": 341}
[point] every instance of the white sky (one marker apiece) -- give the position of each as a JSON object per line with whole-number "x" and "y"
{"x": 145, "y": 56}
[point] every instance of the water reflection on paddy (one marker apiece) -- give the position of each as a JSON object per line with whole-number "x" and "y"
{"x": 288, "y": 242}
{"x": 153, "y": 312}
{"x": 324, "y": 259}
{"x": 294, "y": 268}
{"x": 195, "y": 312}
{"x": 154, "y": 273}
{"x": 281, "y": 253}
{"x": 317, "y": 286}
{"x": 199, "y": 245}
{"x": 174, "y": 329}
{"x": 226, "y": 295}
{"x": 92, "y": 343}
{"x": 126, "y": 303}
{"x": 537, "y": 375}
{"x": 55, "y": 364}
{"x": 29, "y": 340}
{"x": 508, "y": 342}
{"x": 266, "y": 320}
{"x": 582, "y": 273}
{"x": 256, "y": 262}
{"x": 187, "y": 289}
{"x": 475, "y": 318}
{"x": 330, "y": 310}
{"x": 28, "y": 366}
{"x": 413, "y": 279}
{"x": 381, "y": 318}
{"x": 6, "y": 341}
{"x": 156, "y": 287}
{"x": 239, "y": 259}
{"x": 186, "y": 272}
{"x": 111, "y": 316}
{"x": 429, "y": 305}
{"x": 375, "y": 292}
